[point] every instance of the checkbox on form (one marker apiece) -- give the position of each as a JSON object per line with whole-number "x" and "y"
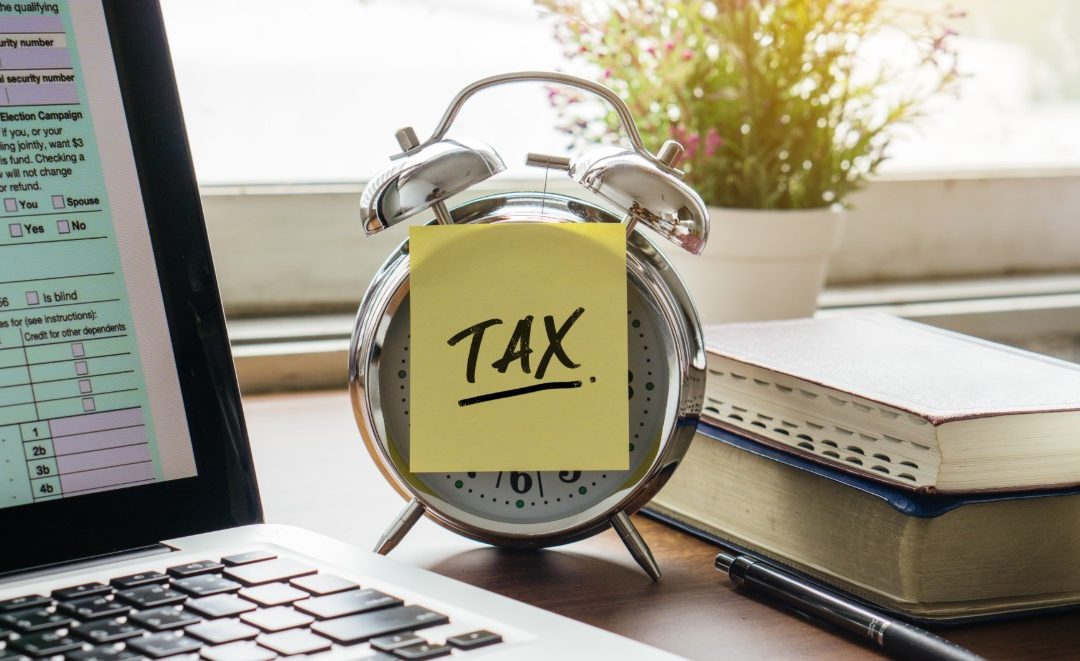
{"x": 85, "y": 387}
{"x": 15, "y": 229}
{"x": 10, "y": 204}
{"x": 57, "y": 201}
{"x": 78, "y": 350}
{"x": 81, "y": 369}
{"x": 88, "y": 404}
{"x": 63, "y": 227}
{"x": 32, "y": 298}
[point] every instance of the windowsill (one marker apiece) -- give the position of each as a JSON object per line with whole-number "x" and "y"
{"x": 1041, "y": 313}
{"x": 899, "y": 229}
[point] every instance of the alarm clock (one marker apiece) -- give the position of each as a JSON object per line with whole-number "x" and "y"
{"x": 665, "y": 381}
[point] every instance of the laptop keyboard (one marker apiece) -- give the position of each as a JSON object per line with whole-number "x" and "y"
{"x": 248, "y": 606}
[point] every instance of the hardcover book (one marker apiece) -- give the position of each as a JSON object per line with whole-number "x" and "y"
{"x": 928, "y": 557}
{"x": 899, "y": 402}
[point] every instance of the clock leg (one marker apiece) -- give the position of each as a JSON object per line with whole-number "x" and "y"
{"x": 400, "y": 527}
{"x": 635, "y": 544}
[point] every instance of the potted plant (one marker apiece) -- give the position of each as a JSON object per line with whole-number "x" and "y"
{"x": 783, "y": 108}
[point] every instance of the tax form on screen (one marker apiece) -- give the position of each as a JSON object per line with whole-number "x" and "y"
{"x": 89, "y": 397}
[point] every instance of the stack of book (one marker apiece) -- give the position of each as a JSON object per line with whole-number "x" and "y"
{"x": 928, "y": 473}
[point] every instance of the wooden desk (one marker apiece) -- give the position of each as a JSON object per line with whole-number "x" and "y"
{"x": 314, "y": 472}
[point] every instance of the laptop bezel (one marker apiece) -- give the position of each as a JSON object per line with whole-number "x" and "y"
{"x": 225, "y": 492}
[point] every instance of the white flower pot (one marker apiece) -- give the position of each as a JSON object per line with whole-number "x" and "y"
{"x": 760, "y": 264}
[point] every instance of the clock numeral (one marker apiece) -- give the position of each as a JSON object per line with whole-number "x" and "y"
{"x": 520, "y": 482}
{"x": 569, "y": 477}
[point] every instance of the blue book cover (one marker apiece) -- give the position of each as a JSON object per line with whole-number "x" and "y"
{"x": 902, "y": 500}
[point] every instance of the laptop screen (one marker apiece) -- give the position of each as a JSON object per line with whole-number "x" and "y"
{"x": 89, "y": 395}
{"x": 120, "y": 418}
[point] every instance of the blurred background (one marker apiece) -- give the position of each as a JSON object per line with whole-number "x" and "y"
{"x": 328, "y": 82}
{"x": 970, "y": 223}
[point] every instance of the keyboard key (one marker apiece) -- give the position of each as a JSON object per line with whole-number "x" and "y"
{"x": 269, "y": 571}
{"x": 5, "y": 634}
{"x": 32, "y": 621}
{"x": 151, "y": 596}
{"x": 108, "y": 631}
{"x": 24, "y": 602}
{"x": 46, "y": 644}
{"x": 474, "y": 639}
{"x": 164, "y": 618}
{"x": 247, "y": 558}
{"x": 238, "y": 652}
{"x": 205, "y": 585}
{"x": 423, "y": 651}
{"x": 103, "y": 653}
{"x": 163, "y": 644}
{"x": 296, "y": 641}
{"x": 94, "y": 608}
{"x": 12, "y": 656}
{"x": 347, "y": 603}
{"x": 396, "y": 640}
{"x": 81, "y": 591}
{"x": 219, "y": 605}
{"x": 222, "y": 631}
{"x": 273, "y": 594}
{"x": 323, "y": 584}
{"x": 196, "y": 568}
{"x": 358, "y": 628}
{"x": 278, "y": 618}
{"x": 135, "y": 580}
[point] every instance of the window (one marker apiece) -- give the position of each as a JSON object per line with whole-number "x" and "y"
{"x": 277, "y": 91}
{"x": 291, "y": 106}
{"x": 1018, "y": 107}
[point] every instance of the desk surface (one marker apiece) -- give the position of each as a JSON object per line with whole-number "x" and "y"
{"x": 314, "y": 472}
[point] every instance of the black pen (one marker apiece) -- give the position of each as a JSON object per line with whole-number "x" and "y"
{"x": 895, "y": 637}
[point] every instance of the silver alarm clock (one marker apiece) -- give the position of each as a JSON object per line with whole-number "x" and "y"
{"x": 665, "y": 383}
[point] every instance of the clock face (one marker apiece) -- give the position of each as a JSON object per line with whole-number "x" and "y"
{"x": 538, "y": 496}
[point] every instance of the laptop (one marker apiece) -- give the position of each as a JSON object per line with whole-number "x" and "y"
{"x": 129, "y": 510}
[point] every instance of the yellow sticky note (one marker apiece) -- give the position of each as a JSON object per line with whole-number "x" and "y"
{"x": 518, "y": 347}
